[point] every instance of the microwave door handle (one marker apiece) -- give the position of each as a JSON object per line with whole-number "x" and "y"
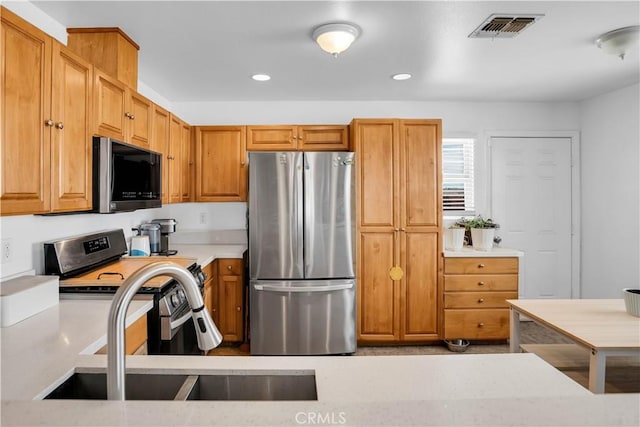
{"x": 327, "y": 288}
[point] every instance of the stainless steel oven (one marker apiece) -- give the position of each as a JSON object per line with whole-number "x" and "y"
{"x": 91, "y": 266}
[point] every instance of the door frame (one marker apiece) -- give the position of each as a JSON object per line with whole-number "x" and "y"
{"x": 574, "y": 137}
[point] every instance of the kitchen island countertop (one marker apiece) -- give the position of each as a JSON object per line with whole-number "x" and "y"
{"x": 460, "y": 389}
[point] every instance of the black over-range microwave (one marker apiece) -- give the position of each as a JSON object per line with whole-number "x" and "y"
{"x": 125, "y": 177}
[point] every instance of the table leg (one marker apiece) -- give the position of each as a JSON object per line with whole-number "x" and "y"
{"x": 597, "y": 369}
{"x": 514, "y": 331}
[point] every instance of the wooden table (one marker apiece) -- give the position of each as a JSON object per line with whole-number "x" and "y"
{"x": 601, "y": 325}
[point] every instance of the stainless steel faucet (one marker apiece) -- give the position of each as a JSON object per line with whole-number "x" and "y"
{"x": 208, "y": 335}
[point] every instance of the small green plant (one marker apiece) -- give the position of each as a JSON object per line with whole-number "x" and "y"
{"x": 476, "y": 222}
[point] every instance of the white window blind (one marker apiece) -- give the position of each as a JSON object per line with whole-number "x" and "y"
{"x": 457, "y": 174}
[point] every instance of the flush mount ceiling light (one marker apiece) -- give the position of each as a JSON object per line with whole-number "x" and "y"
{"x": 335, "y": 38}
{"x": 261, "y": 77}
{"x": 619, "y": 42}
{"x": 401, "y": 76}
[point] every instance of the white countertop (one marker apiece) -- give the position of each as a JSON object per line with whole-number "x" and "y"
{"x": 468, "y": 252}
{"x": 457, "y": 389}
{"x": 489, "y": 389}
{"x": 41, "y": 349}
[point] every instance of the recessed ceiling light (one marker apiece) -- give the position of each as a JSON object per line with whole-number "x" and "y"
{"x": 261, "y": 77}
{"x": 401, "y": 76}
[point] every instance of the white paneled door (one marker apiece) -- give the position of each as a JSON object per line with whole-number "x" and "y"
{"x": 531, "y": 200}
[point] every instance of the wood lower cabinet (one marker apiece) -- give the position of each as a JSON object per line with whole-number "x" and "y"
{"x": 231, "y": 299}
{"x": 475, "y": 294}
{"x": 44, "y": 133}
{"x": 224, "y": 297}
{"x": 298, "y": 137}
{"x": 135, "y": 338}
{"x": 220, "y": 164}
{"x": 398, "y": 220}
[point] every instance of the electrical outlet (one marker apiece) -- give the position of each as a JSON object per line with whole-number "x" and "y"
{"x": 7, "y": 251}
{"x": 203, "y": 217}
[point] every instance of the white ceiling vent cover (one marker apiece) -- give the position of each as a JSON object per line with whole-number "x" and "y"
{"x": 503, "y": 25}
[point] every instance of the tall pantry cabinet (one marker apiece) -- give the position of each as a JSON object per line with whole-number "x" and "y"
{"x": 399, "y": 217}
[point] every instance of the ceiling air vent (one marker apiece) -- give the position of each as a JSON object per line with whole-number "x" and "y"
{"x": 503, "y": 26}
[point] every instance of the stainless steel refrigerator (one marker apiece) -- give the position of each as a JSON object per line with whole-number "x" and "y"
{"x": 301, "y": 253}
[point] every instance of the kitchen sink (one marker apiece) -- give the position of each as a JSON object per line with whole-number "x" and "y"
{"x": 138, "y": 387}
{"x": 282, "y": 385}
{"x": 254, "y": 387}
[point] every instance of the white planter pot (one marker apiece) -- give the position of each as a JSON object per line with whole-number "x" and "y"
{"x": 453, "y": 239}
{"x": 482, "y": 238}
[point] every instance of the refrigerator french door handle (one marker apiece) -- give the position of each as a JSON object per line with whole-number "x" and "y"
{"x": 327, "y": 288}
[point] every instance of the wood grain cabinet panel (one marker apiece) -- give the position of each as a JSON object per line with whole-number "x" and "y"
{"x": 45, "y": 131}
{"x": 475, "y": 294}
{"x": 120, "y": 112}
{"x": 221, "y": 172}
{"x": 298, "y": 137}
{"x": 399, "y": 271}
{"x": 174, "y": 160}
{"x": 160, "y": 143}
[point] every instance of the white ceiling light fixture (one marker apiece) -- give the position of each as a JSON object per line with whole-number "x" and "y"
{"x": 261, "y": 77}
{"x": 619, "y": 42}
{"x": 335, "y": 38}
{"x": 401, "y": 76}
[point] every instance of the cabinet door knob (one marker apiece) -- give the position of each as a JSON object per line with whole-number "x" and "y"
{"x": 133, "y": 117}
{"x": 481, "y": 300}
{"x": 480, "y": 265}
{"x": 480, "y": 283}
{"x": 480, "y": 325}
{"x": 238, "y": 308}
{"x": 48, "y": 122}
{"x": 229, "y": 267}
{"x": 59, "y": 125}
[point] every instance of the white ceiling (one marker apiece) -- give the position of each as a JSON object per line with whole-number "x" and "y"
{"x": 207, "y": 50}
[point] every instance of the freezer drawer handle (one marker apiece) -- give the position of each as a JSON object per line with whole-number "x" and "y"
{"x": 328, "y": 288}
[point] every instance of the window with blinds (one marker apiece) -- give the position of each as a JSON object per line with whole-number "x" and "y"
{"x": 457, "y": 174}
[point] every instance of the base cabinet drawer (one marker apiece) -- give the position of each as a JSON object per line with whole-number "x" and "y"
{"x": 476, "y": 265}
{"x": 476, "y": 324}
{"x": 480, "y": 282}
{"x": 478, "y": 299}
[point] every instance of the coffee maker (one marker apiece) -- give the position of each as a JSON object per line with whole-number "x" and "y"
{"x": 153, "y": 231}
{"x": 167, "y": 226}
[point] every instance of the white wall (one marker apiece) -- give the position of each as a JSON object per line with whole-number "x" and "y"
{"x": 610, "y": 159}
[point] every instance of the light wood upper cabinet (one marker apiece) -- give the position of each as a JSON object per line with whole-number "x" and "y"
{"x": 221, "y": 172}
{"x": 120, "y": 112}
{"x": 110, "y": 106}
{"x": 140, "y": 111}
{"x": 160, "y": 143}
{"x": 45, "y": 137}
{"x": 187, "y": 168}
{"x": 71, "y": 156}
{"x": 26, "y": 107}
{"x": 295, "y": 137}
{"x": 175, "y": 160}
{"x": 109, "y": 49}
{"x": 398, "y": 226}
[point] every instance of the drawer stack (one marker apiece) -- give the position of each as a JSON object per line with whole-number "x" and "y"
{"x": 475, "y": 291}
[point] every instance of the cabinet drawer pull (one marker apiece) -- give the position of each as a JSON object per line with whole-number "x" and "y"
{"x": 238, "y": 308}
{"x": 480, "y": 325}
{"x": 480, "y": 265}
{"x": 481, "y": 300}
{"x": 481, "y": 283}
{"x": 229, "y": 267}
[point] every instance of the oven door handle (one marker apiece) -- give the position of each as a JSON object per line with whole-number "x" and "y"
{"x": 181, "y": 321}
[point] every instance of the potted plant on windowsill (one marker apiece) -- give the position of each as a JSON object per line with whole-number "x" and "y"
{"x": 481, "y": 232}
